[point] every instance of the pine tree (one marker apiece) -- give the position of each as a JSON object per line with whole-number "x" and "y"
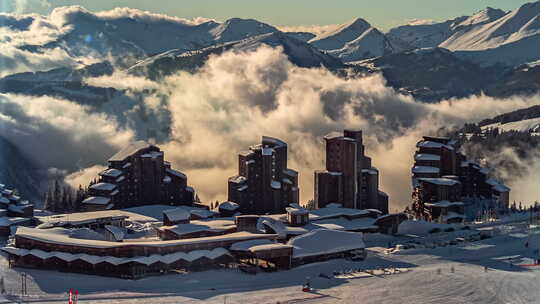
{"x": 57, "y": 196}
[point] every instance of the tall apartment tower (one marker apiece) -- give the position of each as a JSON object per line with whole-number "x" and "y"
{"x": 349, "y": 178}
{"x": 264, "y": 184}
{"x": 138, "y": 175}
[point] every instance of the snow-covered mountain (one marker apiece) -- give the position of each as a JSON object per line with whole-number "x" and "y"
{"x": 488, "y": 37}
{"x": 433, "y": 34}
{"x": 67, "y": 83}
{"x": 123, "y": 32}
{"x": 431, "y": 74}
{"x": 299, "y": 53}
{"x": 355, "y": 41}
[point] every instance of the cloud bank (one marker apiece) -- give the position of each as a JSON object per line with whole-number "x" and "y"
{"x": 203, "y": 119}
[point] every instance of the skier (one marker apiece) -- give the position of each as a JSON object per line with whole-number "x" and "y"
{"x": 307, "y": 286}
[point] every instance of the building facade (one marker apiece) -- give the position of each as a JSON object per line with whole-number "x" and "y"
{"x": 264, "y": 184}
{"x": 445, "y": 182}
{"x": 138, "y": 175}
{"x": 349, "y": 178}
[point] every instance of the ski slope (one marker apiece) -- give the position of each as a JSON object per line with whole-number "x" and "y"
{"x": 429, "y": 278}
{"x": 527, "y": 125}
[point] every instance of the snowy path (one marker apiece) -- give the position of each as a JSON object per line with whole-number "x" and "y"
{"x": 430, "y": 280}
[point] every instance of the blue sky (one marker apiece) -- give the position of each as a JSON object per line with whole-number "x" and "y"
{"x": 380, "y": 13}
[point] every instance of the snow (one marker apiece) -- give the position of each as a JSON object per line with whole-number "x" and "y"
{"x": 267, "y": 151}
{"x": 428, "y": 267}
{"x": 425, "y": 169}
{"x": 444, "y": 204}
{"x": 130, "y": 150}
{"x": 323, "y": 241}
{"x": 97, "y": 200}
{"x": 92, "y": 259}
{"x": 177, "y": 214}
{"x": 334, "y": 210}
{"x": 103, "y": 186}
{"x": 152, "y": 154}
{"x": 257, "y": 245}
{"x": 440, "y": 181}
{"x": 432, "y": 144}
{"x": 419, "y": 228}
{"x": 62, "y": 236}
{"x": 213, "y": 225}
{"x": 155, "y": 212}
{"x": 337, "y": 38}
{"x": 9, "y": 221}
{"x": 116, "y": 232}
{"x": 176, "y": 173}
{"x": 111, "y": 172}
{"x": 526, "y": 125}
{"x": 427, "y": 157}
{"x": 229, "y": 206}
{"x": 167, "y": 179}
{"x": 275, "y": 185}
{"x": 81, "y": 218}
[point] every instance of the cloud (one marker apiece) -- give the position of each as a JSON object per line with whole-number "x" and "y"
{"x": 202, "y": 120}
{"x": 315, "y": 29}
{"x": 58, "y": 133}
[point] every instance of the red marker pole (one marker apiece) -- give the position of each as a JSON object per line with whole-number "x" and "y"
{"x": 70, "y": 300}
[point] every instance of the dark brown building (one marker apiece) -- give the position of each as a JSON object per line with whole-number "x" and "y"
{"x": 264, "y": 184}
{"x": 138, "y": 175}
{"x": 443, "y": 177}
{"x": 349, "y": 178}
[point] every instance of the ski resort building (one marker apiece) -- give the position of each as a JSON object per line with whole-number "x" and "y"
{"x": 13, "y": 211}
{"x": 349, "y": 178}
{"x": 264, "y": 183}
{"x": 120, "y": 243}
{"x": 449, "y": 188}
{"x": 138, "y": 175}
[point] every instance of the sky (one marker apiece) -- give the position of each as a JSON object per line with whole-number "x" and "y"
{"x": 383, "y": 14}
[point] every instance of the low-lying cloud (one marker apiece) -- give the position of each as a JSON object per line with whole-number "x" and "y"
{"x": 235, "y": 98}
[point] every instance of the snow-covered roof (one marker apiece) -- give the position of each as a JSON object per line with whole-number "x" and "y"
{"x": 103, "y": 186}
{"x": 121, "y": 178}
{"x": 497, "y": 186}
{"x": 426, "y": 156}
{"x": 324, "y": 241}
{"x": 177, "y": 214}
{"x": 146, "y": 260}
{"x": 126, "y": 165}
{"x": 332, "y": 210}
{"x": 290, "y": 172}
{"x": 4, "y": 200}
{"x": 116, "y": 232}
{"x": 276, "y": 141}
{"x": 432, "y": 144}
{"x": 111, "y": 172}
{"x": 176, "y": 173}
{"x": 275, "y": 185}
{"x": 425, "y": 169}
{"x": 97, "y": 200}
{"x": 267, "y": 151}
{"x": 81, "y": 218}
{"x": 238, "y": 179}
{"x": 372, "y": 171}
{"x": 152, "y": 154}
{"x": 130, "y": 150}
{"x": 439, "y": 181}
{"x": 258, "y": 245}
{"x": 9, "y": 221}
{"x": 61, "y": 236}
{"x": 444, "y": 204}
{"x": 229, "y": 206}
{"x": 213, "y": 225}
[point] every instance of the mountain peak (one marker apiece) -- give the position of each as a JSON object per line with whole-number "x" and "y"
{"x": 337, "y": 38}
